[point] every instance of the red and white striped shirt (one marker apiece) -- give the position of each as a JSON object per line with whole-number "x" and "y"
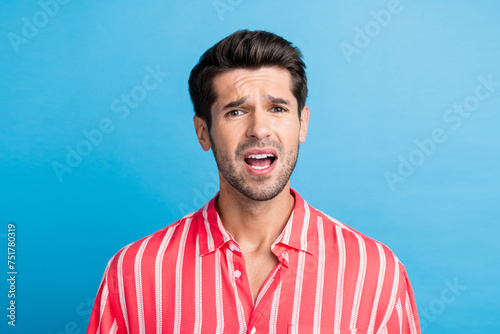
{"x": 190, "y": 277}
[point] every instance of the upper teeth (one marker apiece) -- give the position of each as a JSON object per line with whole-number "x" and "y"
{"x": 260, "y": 156}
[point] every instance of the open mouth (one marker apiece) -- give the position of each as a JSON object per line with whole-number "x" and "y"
{"x": 260, "y": 161}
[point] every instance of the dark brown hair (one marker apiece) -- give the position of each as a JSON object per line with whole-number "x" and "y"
{"x": 249, "y": 50}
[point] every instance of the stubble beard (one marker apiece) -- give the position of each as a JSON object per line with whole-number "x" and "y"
{"x": 259, "y": 188}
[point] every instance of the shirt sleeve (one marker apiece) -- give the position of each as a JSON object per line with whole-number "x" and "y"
{"x": 103, "y": 319}
{"x": 404, "y": 318}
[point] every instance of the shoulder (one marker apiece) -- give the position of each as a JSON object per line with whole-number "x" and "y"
{"x": 353, "y": 241}
{"x": 148, "y": 247}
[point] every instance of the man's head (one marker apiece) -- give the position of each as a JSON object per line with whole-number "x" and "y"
{"x": 250, "y": 50}
{"x": 248, "y": 83}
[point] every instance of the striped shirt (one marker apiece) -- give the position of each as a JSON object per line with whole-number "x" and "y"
{"x": 190, "y": 277}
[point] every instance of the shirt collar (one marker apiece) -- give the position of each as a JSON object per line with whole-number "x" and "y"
{"x": 300, "y": 232}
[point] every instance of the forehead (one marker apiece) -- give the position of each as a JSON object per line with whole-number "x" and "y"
{"x": 238, "y": 83}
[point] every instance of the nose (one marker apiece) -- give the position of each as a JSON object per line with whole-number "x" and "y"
{"x": 259, "y": 126}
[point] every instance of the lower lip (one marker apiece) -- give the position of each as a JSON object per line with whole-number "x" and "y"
{"x": 263, "y": 171}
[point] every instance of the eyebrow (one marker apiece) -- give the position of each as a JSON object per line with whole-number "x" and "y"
{"x": 236, "y": 103}
{"x": 240, "y": 101}
{"x": 277, "y": 100}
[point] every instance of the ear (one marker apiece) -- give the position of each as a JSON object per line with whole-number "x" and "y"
{"x": 200, "y": 126}
{"x": 304, "y": 121}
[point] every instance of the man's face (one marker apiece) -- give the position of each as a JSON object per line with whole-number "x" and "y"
{"x": 256, "y": 130}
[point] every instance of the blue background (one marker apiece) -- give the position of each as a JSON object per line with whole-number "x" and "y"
{"x": 368, "y": 109}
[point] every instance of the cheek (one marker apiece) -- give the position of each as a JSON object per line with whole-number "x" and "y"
{"x": 230, "y": 135}
{"x": 224, "y": 142}
{"x": 287, "y": 129}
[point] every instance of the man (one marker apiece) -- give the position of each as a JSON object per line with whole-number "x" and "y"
{"x": 256, "y": 258}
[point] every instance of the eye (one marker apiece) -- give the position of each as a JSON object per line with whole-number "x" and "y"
{"x": 278, "y": 109}
{"x": 234, "y": 113}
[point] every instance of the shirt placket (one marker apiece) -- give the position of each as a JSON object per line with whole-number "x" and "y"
{"x": 239, "y": 280}
{"x": 258, "y": 323}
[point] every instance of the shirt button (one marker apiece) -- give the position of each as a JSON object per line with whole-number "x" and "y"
{"x": 253, "y": 330}
{"x": 237, "y": 273}
{"x": 233, "y": 247}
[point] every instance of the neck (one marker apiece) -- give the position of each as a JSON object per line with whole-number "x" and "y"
{"x": 255, "y": 225}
